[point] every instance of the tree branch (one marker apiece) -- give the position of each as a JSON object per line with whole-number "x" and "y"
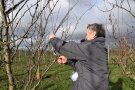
{"x": 14, "y": 7}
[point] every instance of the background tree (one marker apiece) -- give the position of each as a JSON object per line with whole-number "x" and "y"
{"x": 122, "y": 33}
{"x": 28, "y": 41}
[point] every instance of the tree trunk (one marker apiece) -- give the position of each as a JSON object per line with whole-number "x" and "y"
{"x": 1, "y": 45}
{"x": 6, "y": 49}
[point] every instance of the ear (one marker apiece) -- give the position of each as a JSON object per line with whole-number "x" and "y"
{"x": 94, "y": 33}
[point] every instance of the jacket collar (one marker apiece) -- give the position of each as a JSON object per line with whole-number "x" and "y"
{"x": 99, "y": 39}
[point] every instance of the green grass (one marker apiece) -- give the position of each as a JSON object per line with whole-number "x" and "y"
{"x": 58, "y": 76}
{"x": 118, "y": 80}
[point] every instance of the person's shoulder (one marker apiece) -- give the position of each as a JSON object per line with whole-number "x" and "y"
{"x": 85, "y": 43}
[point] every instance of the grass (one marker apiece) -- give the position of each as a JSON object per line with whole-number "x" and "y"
{"x": 58, "y": 76}
{"x": 118, "y": 80}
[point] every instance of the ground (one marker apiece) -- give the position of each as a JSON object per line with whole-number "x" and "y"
{"x": 58, "y": 76}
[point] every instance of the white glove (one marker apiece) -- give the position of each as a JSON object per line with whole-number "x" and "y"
{"x": 74, "y": 76}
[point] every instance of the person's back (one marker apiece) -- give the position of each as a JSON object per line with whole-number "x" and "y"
{"x": 93, "y": 73}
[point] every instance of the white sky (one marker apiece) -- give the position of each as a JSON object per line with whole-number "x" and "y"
{"x": 94, "y": 15}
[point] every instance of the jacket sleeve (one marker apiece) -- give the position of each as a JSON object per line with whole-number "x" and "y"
{"x": 70, "y": 49}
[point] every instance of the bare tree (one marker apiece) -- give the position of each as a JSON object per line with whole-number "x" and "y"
{"x": 6, "y": 49}
{"x": 123, "y": 40}
{"x": 43, "y": 19}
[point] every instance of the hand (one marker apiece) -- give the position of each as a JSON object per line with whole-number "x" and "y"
{"x": 52, "y": 35}
{"x": 62, "y": 60}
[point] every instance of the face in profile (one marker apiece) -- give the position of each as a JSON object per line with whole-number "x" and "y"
{"x": 90, "y": 34}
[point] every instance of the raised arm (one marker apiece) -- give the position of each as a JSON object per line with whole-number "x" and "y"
{"x": 70, "y": 49}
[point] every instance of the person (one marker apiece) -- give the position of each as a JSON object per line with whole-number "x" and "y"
{"x": 88, "y": 58}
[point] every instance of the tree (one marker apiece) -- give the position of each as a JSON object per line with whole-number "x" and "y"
{"x": 5, "y": 44}
{"x": 32, "y": 37}
{"x": 125, "y": 49}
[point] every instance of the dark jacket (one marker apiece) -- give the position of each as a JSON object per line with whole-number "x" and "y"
{"x": 89, "y": 58}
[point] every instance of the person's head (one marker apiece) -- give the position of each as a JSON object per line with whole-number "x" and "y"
{"x": 95, "y": 30}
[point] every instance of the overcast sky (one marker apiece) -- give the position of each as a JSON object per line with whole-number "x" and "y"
{"x": 94, "y": 15}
